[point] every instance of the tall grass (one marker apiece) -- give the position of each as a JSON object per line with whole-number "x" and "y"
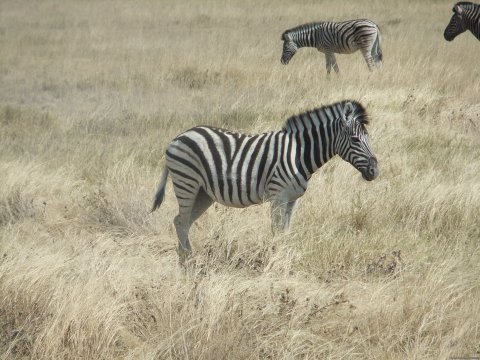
{"x": 92, "y": 92}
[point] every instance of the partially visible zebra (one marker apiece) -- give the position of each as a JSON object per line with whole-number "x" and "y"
{"x": 466, "y": 16}
{"x": 208, "y": 164}
{"x": 335, "y": 37}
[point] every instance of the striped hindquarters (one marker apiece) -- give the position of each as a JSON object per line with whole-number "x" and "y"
{"x": 232, "y": 168}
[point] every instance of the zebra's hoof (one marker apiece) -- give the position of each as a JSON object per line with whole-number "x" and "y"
{"x": 183, "y": 255}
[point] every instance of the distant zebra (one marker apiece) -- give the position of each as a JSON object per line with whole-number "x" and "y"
{"x": 466, "y": 16}
{"x": 209, "y": 164}
{"x": 335, "y": 37}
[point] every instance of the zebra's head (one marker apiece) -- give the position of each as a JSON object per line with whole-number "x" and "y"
{"x": 353, "y": 145}
{"x": 457, "y": 24}
{"x": 289, "y": 48}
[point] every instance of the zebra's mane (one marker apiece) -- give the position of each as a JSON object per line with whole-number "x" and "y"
{"x": 359, "y": 114}
{"x": 464, "y": 3}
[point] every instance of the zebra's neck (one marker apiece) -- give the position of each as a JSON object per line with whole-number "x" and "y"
{"x": 314, "y": 135}
{"x": 472, "y": 20}
{"x": 306, "y": 35}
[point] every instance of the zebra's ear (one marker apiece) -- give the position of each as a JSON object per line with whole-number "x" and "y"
{"x": 457, "y": 9}
{"x": 347, "y": 113}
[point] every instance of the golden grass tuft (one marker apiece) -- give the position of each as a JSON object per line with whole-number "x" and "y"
{"x": 92, "y": 93}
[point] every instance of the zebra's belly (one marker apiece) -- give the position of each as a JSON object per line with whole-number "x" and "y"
{"x": 349, "y": 48}
{"x": 347, "y": 52}
{"x": 233, "y": 198}
{"x": 235, "y": 204}
{"x": 341, "y": 50}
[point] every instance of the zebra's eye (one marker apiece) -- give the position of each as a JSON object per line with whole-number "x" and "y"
{"x": 355, "y": 139}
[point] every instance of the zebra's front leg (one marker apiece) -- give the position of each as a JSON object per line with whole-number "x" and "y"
{"x": 277, "y": 211}
{"x": 288, "y": 214}
{"x": 327, "y": 63}
{"x": 331, "y": 62}
{"x": 281, "y": 212}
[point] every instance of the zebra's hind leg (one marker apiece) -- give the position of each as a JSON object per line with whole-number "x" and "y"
{"x": 189, "y": 211}
{"x": 182, "y": 226}
{"x": 201, "y": 204}
{"x": 367, "y": 55}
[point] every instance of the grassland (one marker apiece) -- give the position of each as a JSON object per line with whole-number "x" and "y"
{"x": 92, "y": 92}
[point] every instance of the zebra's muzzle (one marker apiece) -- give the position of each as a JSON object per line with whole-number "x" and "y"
{"x": 371, "y": 172}
{"x": 448, "y": 36}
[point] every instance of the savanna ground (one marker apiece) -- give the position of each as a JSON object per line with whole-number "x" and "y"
{"x": 92, "y": 92}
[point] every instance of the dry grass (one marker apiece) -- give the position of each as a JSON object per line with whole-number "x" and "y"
{"x": 92, "y": 92}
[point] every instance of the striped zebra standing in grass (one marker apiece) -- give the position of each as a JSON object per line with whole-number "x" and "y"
{"x": 335, "y": 37}
{"x": 466, "y": 16}
{"x": 209, "y": 164}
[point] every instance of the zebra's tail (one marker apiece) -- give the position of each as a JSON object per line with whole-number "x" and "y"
{"x": 377, "y": 50}
{"x": 161, "y": 190}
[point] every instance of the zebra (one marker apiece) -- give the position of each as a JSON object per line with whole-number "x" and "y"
{"x": 466, "y": 16}
{"x": 209, "y": 164}
{"x": 335, "y": 37}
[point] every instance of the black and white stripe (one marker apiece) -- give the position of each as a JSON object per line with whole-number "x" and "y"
{"x": 466, "y": 16}
{"x": 335, "y": 37}
{"x": 209, "y": 164}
